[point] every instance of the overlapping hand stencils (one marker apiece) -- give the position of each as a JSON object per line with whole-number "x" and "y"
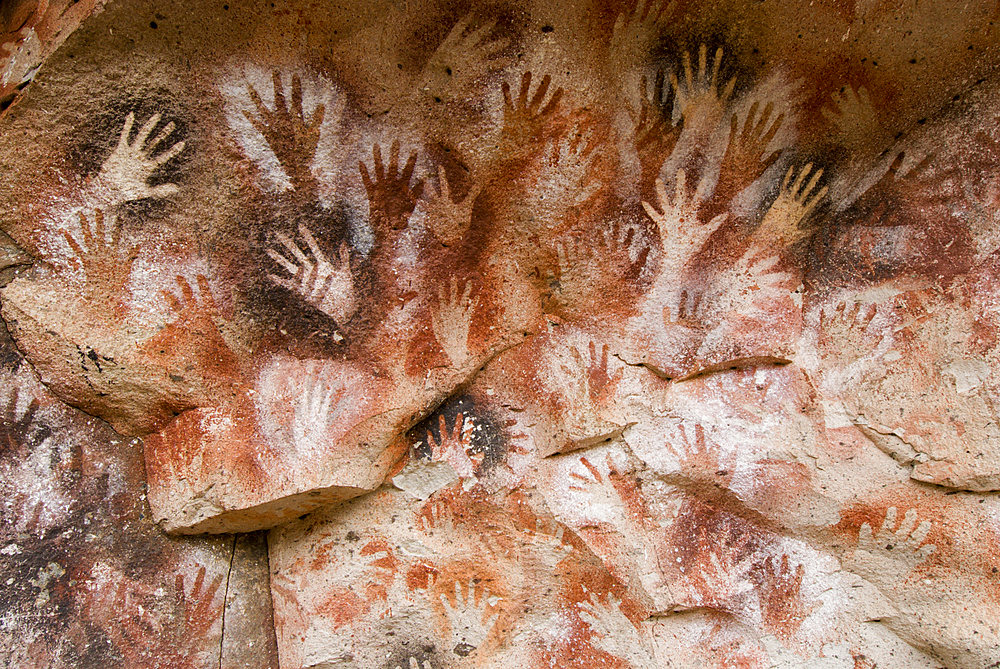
{"x": 603, "y": 332}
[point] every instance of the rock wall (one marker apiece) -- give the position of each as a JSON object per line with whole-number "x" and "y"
{"x": 508, "y": 334}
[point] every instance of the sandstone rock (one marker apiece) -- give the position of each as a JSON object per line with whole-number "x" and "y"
{"x": 413, "y": 574}
{"x": 308, "y": 433}
{"x": 248, "y": 642}
{"x": 88, "y": 580}
{"x": 539, "y": 334}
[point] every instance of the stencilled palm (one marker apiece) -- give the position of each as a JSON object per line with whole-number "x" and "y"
{"x": 879, "y": 200}
{"x": 18, "y": 431}
{"x": 782, "y": 224}
{"x": 747, "y": 156}
{"x": 143, "y": 638}
{"x": 454, "y": 445}
{"x": 849, "y": 319}
{"x": 550, "y": 540}
{"x": 189, "y": 306}
{"x": 322, "y": 401}
{"x": 752, "y": 284}
{"x": 780, "y": 586}
{"x": 655, "y": 135}
{"x": 134, "y": 629}
{"x": 698, "y": 95}
{"x": 326, "y": 285}
{"x": 391, "y": 198}
{"x": 467, "y": 55}
{"x": 132, "y": 163}
{"x": 288, "y": 132}
{"x": 615, "y": 634}
{"x": 576, "y": 280}
{"x": 681, "y": 233}
{"x": 197, "y": 314}
{"x": 683, "y": 307}
{"x": 451, "y": 319}
{"x": 378, "y": 561}
{"x": 472, "y": 615}
{"x": 377, "y": 556}
{"x": 524, "y": 119}
{"x": 602, "y": 499}
{"x": 853, "y": 115}
{"x": 567, "y": 179}
{"x": 449, "y": 219}
{"x": 601, "y": 385}
{"x": 27, "y": 513}
{"x": 587, "y": 391}
{"x": 435, "y": 514}
{"x": 895, "y": 549}
{"x": 696, "y": 456}
{"x": 198, "y": 603}
{"x": 106, "y": 265}
{"x": 379, "y": 568}
{"x": 572, "y": 282}
{"x": 635, "y": 32}
{"x": 625, "y": 242}
{"x": 723, "y": 578}
{"x": 983, "y": 220}
{"x": 854, "y": 334}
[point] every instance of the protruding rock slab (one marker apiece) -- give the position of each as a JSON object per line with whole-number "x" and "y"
{"x": 306, "y": 434}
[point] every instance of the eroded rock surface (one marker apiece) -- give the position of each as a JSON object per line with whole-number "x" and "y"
{"x": 534, "y": 334}
{"x": 88, "y": 580}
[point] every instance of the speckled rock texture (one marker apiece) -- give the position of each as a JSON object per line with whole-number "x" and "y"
{"x": 417, "y": 334}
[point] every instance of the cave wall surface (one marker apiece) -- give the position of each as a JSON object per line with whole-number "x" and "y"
{"x": 420, "y": 334}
